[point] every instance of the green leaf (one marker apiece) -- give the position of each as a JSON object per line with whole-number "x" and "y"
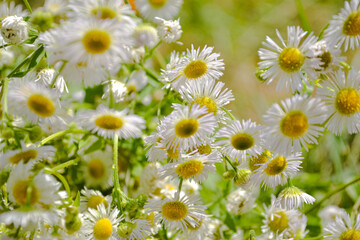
{"x": 19, "y": 74}
{"x": 36, "y": 57}
{"x": 229, "y": 221}
{"x": 95, "y": 146}
{"x": 77, "y": 200}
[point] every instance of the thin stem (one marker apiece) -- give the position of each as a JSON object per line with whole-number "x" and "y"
{"x": 62, "y": 179}
{"x": 302, "y": 15}
{"x": 229, "y": 113}
{"x": 180, "y": 185}
{"x": 58, "y": 73}
{"x": 64, "y": 165}
{"x": 339, "y": 189}
{"x": 28, "y": 6}
{"x": 4, "y": 98}
{"x": 111, "y": 100}
{"x": 5, "y": 45}
{"x": 117, "y": 191}
{"x": 59, "y": 134}
{"x": 228, "y": 160}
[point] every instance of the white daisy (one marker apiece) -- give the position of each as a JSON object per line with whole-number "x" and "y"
{"x": 239, "y": 140}
{"x": 193, "y": 65}
{"x": 166, "y": 9}
{"x": 188, "y": 127}
{"x": 343, "y": 229}
{"x": 341, "y": 94}
{"x": 145, "y": 35}
{"x": 97, "y": 169}
{"x": 178, "y": 212}
{"x": 117, "y": 89}
{"x": 149, "y": 179}
{"x": 44, "y": 187}
{"x": 136, "y": 229}
{"x": 32, "y": 101}
{"x": 207, "y": 93}
{"x": 289, "y": 61}
{"x": 241, "y": 201}
{"x": 344, "y": 28}
{"x": 10, "y": 9}
{"x": 105, "y": 122}
{"x": 294, "y": 123}
{"x": 101, "y": 223}
{"x": 26, "y": 154}
{"x": 277, "y": 170}
{"x": 293, "y": 198}
{"x": 201, "y": 231}
{"x": 192, "y": 167}
{"x": 104, "y": 9}
{"x": 28, "y": 218}
{"x": 91, "y": 199}
{"x": 329, "y": 214}
{"x": 169, "y": 31}
{"x": 14, "y": 29}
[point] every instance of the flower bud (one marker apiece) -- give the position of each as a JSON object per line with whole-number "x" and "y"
{"x": 14, "y": 29}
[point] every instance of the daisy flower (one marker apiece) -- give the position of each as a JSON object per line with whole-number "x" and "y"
{"x": 239, "y": 139}
{"x": 9, "y": 9}
{"x": 14, "y": 29}
{"x": 257, "y": 161}
{"x": 28, "y": 218}
{"x": 149, "y": 179}
{"x": 169, "y": 31}
{"x": 101, "y": 223}
{"x": 193, "y": 65}
{"x": 116, "y": 88}
{"x": 329, "y": 214}
{"x": 106, "y": 122}
{"x": 193, "y": 167}
{"x": 240, "y": 201}
{"x": 341, "y": 95}
{"x": 293, "y": 198}
{"x": 103, "y": 10}
{"x": 207, "y": 93}
{"x": 166, "y": 9}
{"x": 344, "y": 28}
{"x": 294, "y": 123}
{"x": 92, "y": 199}
{"x": 188, "y": 127}
{"x": 97, "y": 169}
{"x": 177, "y": 212}
{"x": 203, "y": 230}
{"x": 32, "y": 101}
{"x": 26, "y": 154}
{"x": 290, "y": 60}
{"x": 343, "y": 229}
{"x": 277, "y": 170}
{"x": 136, "y": 229}
{"x": 44, "y": 187}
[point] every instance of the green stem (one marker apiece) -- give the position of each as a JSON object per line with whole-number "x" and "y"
{"x": 58, "y": 73}
{"x": 303, "y": 19}
{"x": 117, "y": 191}
{"x": 180, "y": 185}
{"x": 228, "y": 160}
{"x": 111, "y": 100}
{"x": 62, "y": 179}
{"x": 28, "y": 6}
{"x": 4, "y": 98}
{"x": 229, "y": 113}
{"x": 64, "y": 165}
{"x": 327, "y": 196}
{"x": 289, "y": 182}
{"x": 5, "y": 45}
{"x": 59, "y": 134}
{"x": 151, "y": 52}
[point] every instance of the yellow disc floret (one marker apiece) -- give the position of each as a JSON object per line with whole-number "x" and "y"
{"x": 195, "y": 69}
{"x": 157, "y": 3}
{"x": 351, "y": 234}
{"x": 174, "y": 210}
{"x": 351, "y": 25}
{"x": 96, "y": 168}
{"x": 208, "y": 102}
{"x": 95, "y": 201}
{"x": 96, "y": 41}
{"x": 24, "y": 156}
{"x": 41, "y": 105}
{"x": 103, "y": 229}
{"x": 19, "y": 192}
{"x": 291, "y": 59}
{"x": 294, "y": 124}
{"x": 189, "y": 168}
{"x": 276, "y": 166}
{"x": 104, "y": 13}
{"x": 347, "y": 101}
{"x": 260, "y": 159}
{"x": 109, "y": 122}
{"x": 279, "y": 223}
{"x": 186, "y": 128}
{"x": 242, "y": 141}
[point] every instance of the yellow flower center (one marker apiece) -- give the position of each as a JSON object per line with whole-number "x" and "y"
{"x": 351, "y": 234}
{"x": 96, "y": 200}
{"x": 195, "y": 69}
{"x": 294, "y": 124}
{"x": 351, "y": 25}
{"x": 204, "y": 149}
{"x": 157, "y": 3}
{"x": 104, "y": 13}
{"x": 242, "y": 141}
{"x": 208, "y": 102}
{"x": 325, "y": 59}
{"x": 96, "y": 41}
{"x": 20, "y": 193}
{"x": 291, "y": 59}
{"x": 109, "y": 122}
{"x": 260, "y": 159}
{"x": 279, "y": 223}
{"x": 103, "y": 229}
{"x": 41, "y": 105}
{"x": 151, "y": 217}
{"x": 347, "y": 101}
{"x": 172, "y": 154}
{"x": 96, "y": 168}
{"x": 189, "y": 168}
{"x": 186, "y": 128}
{"x": 174, "y": 210}
{"x": 276, "y": 166}
{"x": 25, "y": 156}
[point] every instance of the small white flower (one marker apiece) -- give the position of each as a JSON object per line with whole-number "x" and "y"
{"x": 343, "y": 229}
{"x": 14, "y": 29}
{"x": 240, "y": 201}
{"x": 10, "y": 9}
{"x": 92, "y": 199}
{"x": 117, "y": 89}
{"x": 166, "y": 9}
{"x": 145, "y": 35}
{"x": 329, "y": 214}
{"x": 169, "y": 31}
{"x": 293, "y": 198}
{"x": 136, "y": 229}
